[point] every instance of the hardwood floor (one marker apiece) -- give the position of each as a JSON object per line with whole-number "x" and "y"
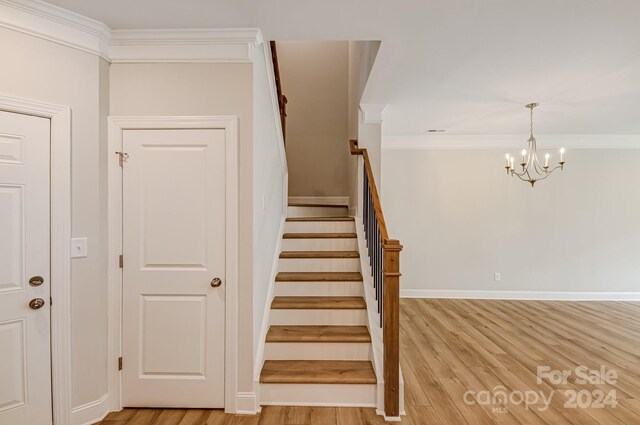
{"x": 449, "y": 347}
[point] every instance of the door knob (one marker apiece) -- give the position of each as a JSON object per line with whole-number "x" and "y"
{"x": 36, "y": 303}
{"x": 216, "y": 282}
{"x": 36, "y": 281}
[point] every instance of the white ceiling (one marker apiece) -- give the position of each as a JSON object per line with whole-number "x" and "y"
{"x": 467, "y": 66}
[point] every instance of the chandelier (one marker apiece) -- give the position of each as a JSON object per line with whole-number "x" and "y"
{"x": 532, "y": 171}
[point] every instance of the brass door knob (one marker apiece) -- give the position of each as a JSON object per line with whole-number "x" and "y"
{"x": 36, "y": 303}
{"x": 216, "y": 282}
{"x": 36, "y": 281}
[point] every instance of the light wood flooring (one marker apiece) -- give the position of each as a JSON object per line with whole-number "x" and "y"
{"x": 449, "y": 347}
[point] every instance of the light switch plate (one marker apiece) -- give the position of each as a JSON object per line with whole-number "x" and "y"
{"x": 79, "y": 247}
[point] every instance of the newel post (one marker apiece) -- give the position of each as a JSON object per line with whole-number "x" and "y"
{"x": 391, "y": 329}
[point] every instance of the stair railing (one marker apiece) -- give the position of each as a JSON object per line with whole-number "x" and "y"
{"x": 282, "y": 99}
{"x": 384, "y": 258}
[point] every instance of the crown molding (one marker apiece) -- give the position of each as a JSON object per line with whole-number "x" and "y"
{"x": 512, "y": 141}
{"x": 61, "y": 26}
{"x": 372, "y": 112}
{"x": 53, "y": 23}
{"x": 184, "y": 45}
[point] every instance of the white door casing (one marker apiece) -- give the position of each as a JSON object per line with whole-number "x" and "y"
{"x": 174, "y": 248}
{"x": 25, "y": 333}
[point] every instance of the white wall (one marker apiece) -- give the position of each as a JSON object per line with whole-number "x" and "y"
{"x": 460, "y": 219}
{"x": 204, "y": 89}
{"x": 36, "y": 69}
{"x": 269, "y": 180}
{"x": 315, "y": 80}
{"x": 362, "y": 55}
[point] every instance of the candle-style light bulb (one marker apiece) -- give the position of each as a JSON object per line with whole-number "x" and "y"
{"x": 562, "y": 151}
{"x": 507, "y": 156}
{"x": 524, "y": 154}
{"x": 511, "y": 164}
{"x": 546, "y": 160}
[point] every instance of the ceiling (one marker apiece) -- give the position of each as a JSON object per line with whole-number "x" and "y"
{"x": 466, "y": 66}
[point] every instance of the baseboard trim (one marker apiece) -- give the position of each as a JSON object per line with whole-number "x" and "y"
{"x": 391, "y": 418}
{"x": 91, "y": 412}
{"x": 339, "y": 200}
{"x": 307, "y": 404}
{"x": 246, "y": 403}
{"x": 521, "y": 295}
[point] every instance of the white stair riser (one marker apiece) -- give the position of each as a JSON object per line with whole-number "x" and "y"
{"x": 317, "y": 211}
{"x": 338, "y": 244}
{"x": 317, "y": 351}
{"x": 319, "y": 265}
{"x": 361, "y": 395}
{"x": 319, "y": 289}
{"x": 319, "y": 317}
{"x": 319, "y": 227}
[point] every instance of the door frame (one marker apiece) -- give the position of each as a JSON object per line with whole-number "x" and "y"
{"x": 117, "y": 125}
{"x": 60, "y": 245}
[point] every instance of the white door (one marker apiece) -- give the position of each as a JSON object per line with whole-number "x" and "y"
{"x": 25, "y": 350}
{"x": 174, "y": 250}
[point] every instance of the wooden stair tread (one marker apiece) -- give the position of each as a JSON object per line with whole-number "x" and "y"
{"x": 319, "y": 236}
{"x": 319, "y": 254}
{"x": 302, "y": 204}
{"x": 294, "y": 219}
{"x": 318, "y": 303}
{"x": 294, "y": 333}
{"x": 318, "y": 277}
{"x": 317, "y": 372}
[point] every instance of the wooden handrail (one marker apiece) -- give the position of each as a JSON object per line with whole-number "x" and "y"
{"x": 386, "y": 273}
{"x": 282, "y": 99}
{"x": 355, "y": 150}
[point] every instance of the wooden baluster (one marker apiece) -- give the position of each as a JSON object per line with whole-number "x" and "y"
{"x": 391, "y": 329}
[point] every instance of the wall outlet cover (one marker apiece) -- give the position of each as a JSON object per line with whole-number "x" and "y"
{"x": 79, "y": 248}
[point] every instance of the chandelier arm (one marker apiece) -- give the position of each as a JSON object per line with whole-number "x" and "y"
{"x": 549, "y": 173}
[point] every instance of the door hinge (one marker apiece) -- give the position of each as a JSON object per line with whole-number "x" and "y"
{"x": 122, "y": 158}
{"x": 119, "y": 363}
{"x": 50, "y": 300}
{"x": 121, "y": 261}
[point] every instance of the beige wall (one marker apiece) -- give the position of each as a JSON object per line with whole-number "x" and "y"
{"x": 203, "y": 89}
{"x": 36, "y": 69}
{"x": 461, "y": 219}
{"x": 315, "y": 79}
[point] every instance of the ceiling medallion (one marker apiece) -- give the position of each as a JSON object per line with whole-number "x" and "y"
{"x": 532, "y": 171}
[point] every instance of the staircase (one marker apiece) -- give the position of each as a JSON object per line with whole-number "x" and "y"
{"x": 318, "y": 347}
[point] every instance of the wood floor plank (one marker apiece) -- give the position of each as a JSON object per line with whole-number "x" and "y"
{"x": 317, "y": 372}
{"x": 318, "y": 303}
{"x": 298, "y": 219}
{"x": 319, "y": 236}
{"x": 319, "y": 254}
{"x": 302, "y": 204}
{"x": 170, "y": 417}
{"x": 318, "y": 333}
{"x": 319, "y": 277}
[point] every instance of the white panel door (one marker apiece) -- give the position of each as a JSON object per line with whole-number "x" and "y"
{"x": 174, "y": 248}
{"x": 25, "y": 350}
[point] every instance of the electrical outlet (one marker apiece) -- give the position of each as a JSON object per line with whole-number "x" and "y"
{"x": 497, "y": 277}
